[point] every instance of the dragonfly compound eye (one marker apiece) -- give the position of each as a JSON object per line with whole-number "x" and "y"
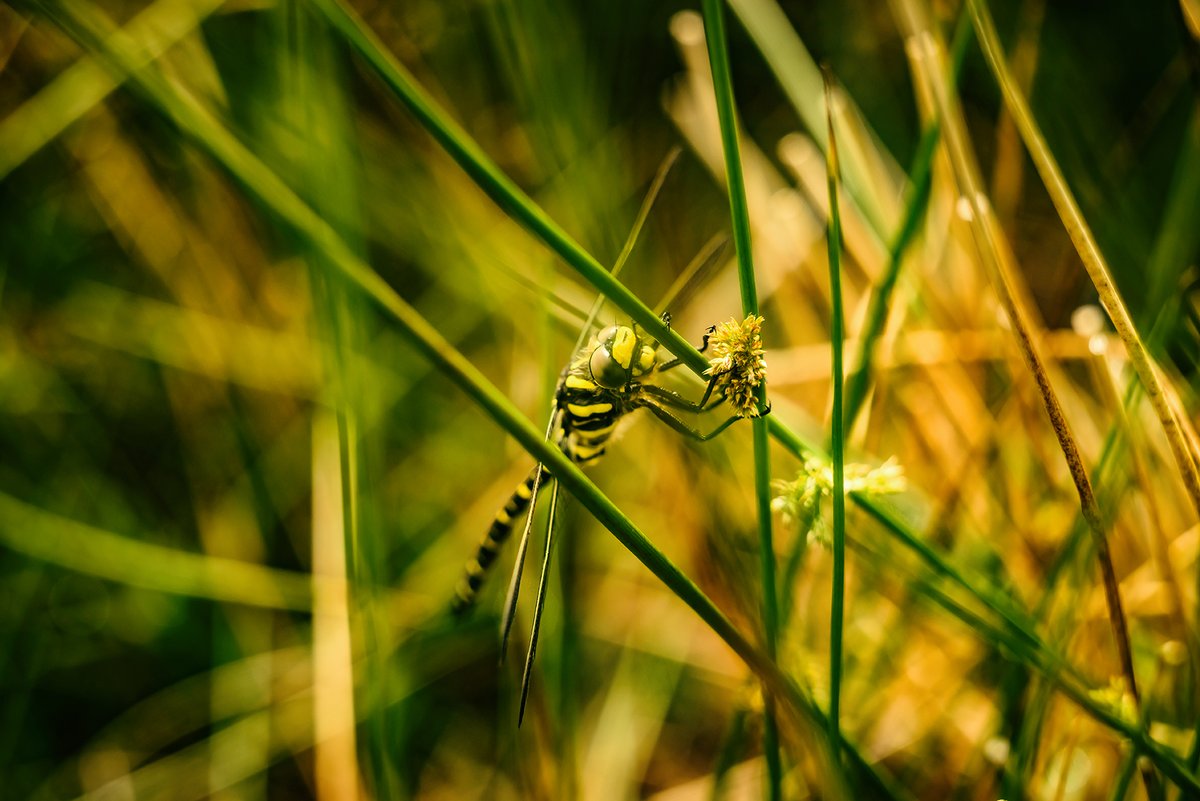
{"x": 605, "y": 370}
{"x": 645, "y": 361}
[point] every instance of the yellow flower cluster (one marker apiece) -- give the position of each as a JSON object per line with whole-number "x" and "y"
{"x": 739, "y": 362}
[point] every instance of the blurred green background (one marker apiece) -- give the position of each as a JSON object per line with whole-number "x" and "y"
{"x": 235, "y": 499}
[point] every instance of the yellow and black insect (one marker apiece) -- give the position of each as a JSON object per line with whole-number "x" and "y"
{"x": 603, "y": 382}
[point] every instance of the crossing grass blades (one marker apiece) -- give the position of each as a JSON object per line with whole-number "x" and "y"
{"x": 607, "y": 379}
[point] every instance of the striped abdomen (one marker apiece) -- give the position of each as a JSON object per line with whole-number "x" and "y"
{"x": 499, "y": 532}
{"x": 588, "y": 413}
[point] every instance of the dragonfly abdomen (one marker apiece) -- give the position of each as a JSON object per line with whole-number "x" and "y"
{"x": 489, "y": 546}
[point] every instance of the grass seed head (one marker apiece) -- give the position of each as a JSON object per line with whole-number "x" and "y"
{"x": 738, "y": 362}
{"x": 799, "y": 500}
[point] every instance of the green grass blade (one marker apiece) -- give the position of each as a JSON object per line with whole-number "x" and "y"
{"x": 837, "y": 421}
{"x": 920, "y": 178}
{"x": 800, "y": 78}
{"x": 86, "y": 549}
{"x": 718, "y": 56}
{"x": 85, "y": 84}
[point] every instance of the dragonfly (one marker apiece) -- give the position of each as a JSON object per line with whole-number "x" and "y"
{"x": 607, "y": 379}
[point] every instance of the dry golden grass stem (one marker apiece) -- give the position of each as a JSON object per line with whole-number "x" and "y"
{"x": 1093, "y": 260}
{"x": 928, "y": 67}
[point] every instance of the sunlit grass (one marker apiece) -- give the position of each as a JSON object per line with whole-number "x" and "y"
{"x": 285, "y": 288}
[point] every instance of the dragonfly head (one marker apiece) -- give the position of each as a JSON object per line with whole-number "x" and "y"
{"x": 621, "y": 354}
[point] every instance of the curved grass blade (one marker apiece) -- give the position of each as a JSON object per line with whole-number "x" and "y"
{"x": 85, "y": 84}
{"x": 89, "y": 550}
{"x": 799, "y": 77}
{"x": 914, "y": 211}
{"x": 920, "y": 177}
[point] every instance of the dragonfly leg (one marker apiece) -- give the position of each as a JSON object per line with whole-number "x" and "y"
{"x": 683, "y": 428}
{"x": 677, "y": 401}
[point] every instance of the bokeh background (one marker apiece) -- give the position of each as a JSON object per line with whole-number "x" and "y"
{"x": 235, "y": 499}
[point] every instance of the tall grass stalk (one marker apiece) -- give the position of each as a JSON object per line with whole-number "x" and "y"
{"x": 837, "y": 437}
{"x": 1022, "y": 319}
{"x": 920, "y": 184}
{"x": 1089, "y": 251}
{"x": 799, "y": 77}
{"x": 718, "y": 56}
{"x": 1079, "y": 231}
{"x": 93, "y": 551}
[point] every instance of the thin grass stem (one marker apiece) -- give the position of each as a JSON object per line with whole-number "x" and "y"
{"x": 1015, "y": 304}
{"x": 718, "y": 56}
{"x": 85, "y": 84}
{"x": 837, "y": 437}
{"x": 920, "y": 177}
{"x": 877, "y": 312}
{"x": 727, "y": 754}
